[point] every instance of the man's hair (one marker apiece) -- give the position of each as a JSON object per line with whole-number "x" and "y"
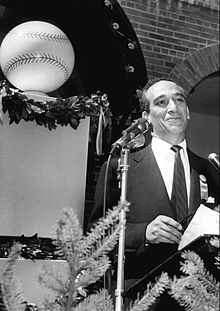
{"x": 144, "y": 102}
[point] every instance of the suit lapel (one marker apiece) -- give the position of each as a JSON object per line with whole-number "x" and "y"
{"x": 147, "y": 171}
{"x": 195, "y": 195}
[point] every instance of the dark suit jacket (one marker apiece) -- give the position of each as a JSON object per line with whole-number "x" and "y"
{"x": 148, "y": 198}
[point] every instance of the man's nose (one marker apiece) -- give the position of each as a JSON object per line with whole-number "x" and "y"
{"x": 172, "y": 105}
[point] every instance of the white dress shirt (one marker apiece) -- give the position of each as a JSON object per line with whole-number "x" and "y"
{"x": 165, "y": 160}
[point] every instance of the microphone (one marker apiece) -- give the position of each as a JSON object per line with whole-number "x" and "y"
{"x": 139, "y": 126}
{"x": 214, "y": 159}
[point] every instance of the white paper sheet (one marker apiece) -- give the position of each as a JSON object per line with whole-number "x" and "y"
{"x": 205, "y": 221}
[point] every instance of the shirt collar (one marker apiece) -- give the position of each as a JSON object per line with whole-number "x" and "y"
{"x": 183, "y": 145}
{"x": 159, "y": 144}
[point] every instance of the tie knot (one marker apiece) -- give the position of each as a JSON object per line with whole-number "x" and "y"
{"x": 176, "y": 148}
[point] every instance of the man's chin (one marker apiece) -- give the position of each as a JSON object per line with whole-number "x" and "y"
{"x": 176, "y": 126}
{"x": 175, "y": 122}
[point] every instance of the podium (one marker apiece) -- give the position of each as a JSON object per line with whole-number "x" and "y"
{"x": 41, "y": 172}
{"x": 171, "y": 265}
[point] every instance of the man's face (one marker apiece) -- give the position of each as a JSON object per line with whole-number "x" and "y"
{"x": 168, "y": 110}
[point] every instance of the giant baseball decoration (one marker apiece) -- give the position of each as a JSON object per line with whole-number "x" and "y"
{"x": 37, "y": 56}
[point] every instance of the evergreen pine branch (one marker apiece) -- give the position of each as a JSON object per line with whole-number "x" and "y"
{"x": 65, "y": 288}
{"x": 95, "y": 270}
{"x": 217, "y": 261}
{"x": 83, "y": 270}
{"x": 152, "y": 293}
{"x": 52, "y": 279}
{"x": 51, "y": 306}
{"x": 2, "y": 305}
{"x": 13, "y": 297}
{"x": 198, "y": 290}
{"x": 189, "y": 292}
{"x": 215, "y": 241}
{"x": 66, "y": 291}
{"x": 194, "y": 265}
{"x": 100, "y": 230}
{"x": 101, "y": 301}
{"x": 68, "y": 234}
{"x": 108, "y": 242}
{"x": 103, "y": 245}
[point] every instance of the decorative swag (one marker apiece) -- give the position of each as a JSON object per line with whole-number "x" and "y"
{"x": 61, "y": 112}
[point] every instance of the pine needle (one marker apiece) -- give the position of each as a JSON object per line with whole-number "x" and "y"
{"x": 152, "y": 293}
{"x": 198, "y": 290}
{"x": 13, "y": 297}
{"x": 96, "y": 302}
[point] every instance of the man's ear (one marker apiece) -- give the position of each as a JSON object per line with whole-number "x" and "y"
{"x": 145, "y": 115}
{"x": 187, "y": 113}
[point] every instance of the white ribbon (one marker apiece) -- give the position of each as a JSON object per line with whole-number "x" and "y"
{"x": 2, "y": 93}
{"x": 1, "y": 114}
{"x": 101, "y": 126}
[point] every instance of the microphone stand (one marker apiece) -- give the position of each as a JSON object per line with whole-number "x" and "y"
{"x": 120, "y": 270}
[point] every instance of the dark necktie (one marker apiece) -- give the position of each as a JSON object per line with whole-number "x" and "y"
{"x": 179, "y": 192}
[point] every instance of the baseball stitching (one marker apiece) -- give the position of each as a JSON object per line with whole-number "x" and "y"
{"x": 36, "y": 58}
{"x": 43, "y": 36}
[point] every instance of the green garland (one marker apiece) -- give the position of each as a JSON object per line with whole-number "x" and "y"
{"x": 32, "y": 247}
{"x": 61, "y": 112}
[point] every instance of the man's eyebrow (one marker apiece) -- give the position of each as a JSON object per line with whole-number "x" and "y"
{"x": 159, "y": 97}
{"x": 164, "y": 96}
{"x": 180, "y": 94}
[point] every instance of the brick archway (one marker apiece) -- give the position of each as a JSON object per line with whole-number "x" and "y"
{"x": 197, "y": 66}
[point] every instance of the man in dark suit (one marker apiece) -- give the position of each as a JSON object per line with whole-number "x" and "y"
{"x": 153, "y": 229}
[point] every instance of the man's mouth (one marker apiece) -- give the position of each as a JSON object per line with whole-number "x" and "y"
{"x": 174, "y": 119}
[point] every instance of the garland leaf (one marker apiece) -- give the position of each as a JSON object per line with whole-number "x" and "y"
{"x": 60, "y": 112}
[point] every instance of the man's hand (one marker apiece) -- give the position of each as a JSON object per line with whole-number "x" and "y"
{"x": 163, "y": 229}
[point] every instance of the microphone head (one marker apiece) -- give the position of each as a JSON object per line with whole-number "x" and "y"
{"x": 143, "y": 124}
{"x": 141, "y": 120}
{"x": 138, "y": 127}
{"x": 213, "y": 156}
{"x": 214, "y": 159}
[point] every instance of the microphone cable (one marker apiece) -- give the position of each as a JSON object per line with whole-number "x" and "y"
{"x": 104, "y": 214}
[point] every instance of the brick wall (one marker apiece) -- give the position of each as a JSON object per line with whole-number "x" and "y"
{"x": 171, "y": 31}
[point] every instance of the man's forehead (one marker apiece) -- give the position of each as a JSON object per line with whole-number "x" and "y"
{"x": 163, "y": 87}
